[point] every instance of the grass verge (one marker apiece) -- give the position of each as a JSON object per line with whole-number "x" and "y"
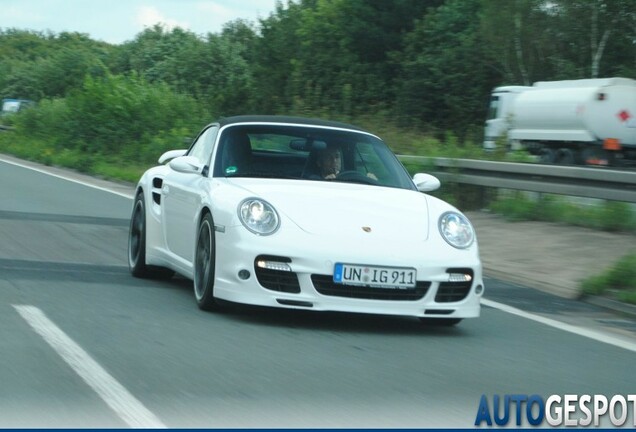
{"x": 612, "y": 216}
{"x": 619, "y": 281}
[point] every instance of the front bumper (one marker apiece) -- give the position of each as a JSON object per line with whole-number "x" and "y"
{"x": 309, "y": 284}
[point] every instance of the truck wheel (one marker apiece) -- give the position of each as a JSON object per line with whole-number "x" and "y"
{"x": 565, "y": 156}
{"x": 547, "y": 156}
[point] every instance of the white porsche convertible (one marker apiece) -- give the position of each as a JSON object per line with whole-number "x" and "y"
{"x": 304, "y": 214}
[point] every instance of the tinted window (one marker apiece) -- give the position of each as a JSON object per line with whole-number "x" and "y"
{"x": 301, "y": 153}
{"x": 493, "y": 109}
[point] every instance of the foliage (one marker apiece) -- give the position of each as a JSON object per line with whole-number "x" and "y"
{"x": 436, "y": 85}
{"x": 606, "y": 25}
{"x": 607, "y": 216}
{"x": 346, "y": 56}
{"x": 36, "y": 66}
{"x": 427, "y": 65}
{"x": 517, "y": 39}
{"x": 617, "y": 281}
{"x": 213, "y": 70}
{"x": 121, "y": 120}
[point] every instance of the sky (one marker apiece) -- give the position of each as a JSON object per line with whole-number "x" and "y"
{"x": 117, "y": 21}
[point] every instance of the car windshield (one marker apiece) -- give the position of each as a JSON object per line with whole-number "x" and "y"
{"x": 307, "y": 153}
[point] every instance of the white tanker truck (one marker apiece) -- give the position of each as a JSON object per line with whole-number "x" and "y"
{"x": 588, "y": 121}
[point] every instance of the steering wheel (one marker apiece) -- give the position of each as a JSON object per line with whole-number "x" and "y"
{"x": 355, "y": 177}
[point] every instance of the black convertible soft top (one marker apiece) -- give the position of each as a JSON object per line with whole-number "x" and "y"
{"x": 285, "y": 119}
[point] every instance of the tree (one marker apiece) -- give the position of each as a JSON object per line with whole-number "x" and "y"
{"x": 61, "y": 65}
{"x": 592, "y": 28}
{"x": 531, "y": 40}
{"x": 516, "y": 41}
{"x": 332, "y": 56}
{"x": 275, "y": 55}
{"x": 445, "y": 77}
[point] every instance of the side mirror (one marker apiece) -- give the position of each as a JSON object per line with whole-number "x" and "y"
{"x": 186, "y": 165}
{"x": 171, "y": 155}
{"x": 426, "y": 182}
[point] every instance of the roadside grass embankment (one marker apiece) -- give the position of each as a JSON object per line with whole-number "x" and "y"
{"x": 618, "y": 282}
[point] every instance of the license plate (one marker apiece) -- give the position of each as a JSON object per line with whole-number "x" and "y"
{"x": 374, "y": 276}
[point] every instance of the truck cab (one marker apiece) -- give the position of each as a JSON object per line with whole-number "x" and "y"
{"x": 499, "y": 113}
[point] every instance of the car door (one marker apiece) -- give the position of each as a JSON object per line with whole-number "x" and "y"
{"x": 181, "y": 195}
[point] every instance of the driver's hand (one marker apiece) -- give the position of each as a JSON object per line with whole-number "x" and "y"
{"x": 372, "y": 176}
{"x": 330, "y": 176}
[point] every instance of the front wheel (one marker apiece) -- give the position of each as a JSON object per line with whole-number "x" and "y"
{"x": 566, "y": 156}
{"x": 547, "y": 156}
{"x": 204, "y": 265}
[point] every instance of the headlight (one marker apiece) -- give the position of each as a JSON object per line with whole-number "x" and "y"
{"x": 456, "y": 230}
{"x": 258, "y": 216}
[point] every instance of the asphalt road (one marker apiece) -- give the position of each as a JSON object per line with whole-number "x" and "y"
{"x": 84, "y": 344}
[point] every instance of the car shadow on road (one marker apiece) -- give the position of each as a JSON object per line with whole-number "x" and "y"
{"x": 337, "y": 321}
{"x": 321, "y": 321}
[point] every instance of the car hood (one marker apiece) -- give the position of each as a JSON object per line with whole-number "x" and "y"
{"x": 346, "y": 210}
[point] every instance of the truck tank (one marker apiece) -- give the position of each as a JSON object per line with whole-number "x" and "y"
{"x": 578, "y": 121}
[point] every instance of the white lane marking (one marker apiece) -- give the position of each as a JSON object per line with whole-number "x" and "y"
{"x": 83, "y": 183}
{"x": 120, "y": 400}
{"x": 581, "y": 331}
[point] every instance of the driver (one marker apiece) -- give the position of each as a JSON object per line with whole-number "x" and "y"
{"x": 329, "y": 162}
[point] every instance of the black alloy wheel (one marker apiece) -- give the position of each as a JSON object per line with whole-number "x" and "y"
{"x": 204, "y": 265}
{"x": 137, "y": 244}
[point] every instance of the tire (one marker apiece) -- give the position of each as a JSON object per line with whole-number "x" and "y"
{"x": 204, "y": 265}
{"x": 547, "y": 156}
{"x": 440, "y": 322}
{"x": 137, "y": 245}
{"x": 565, "y": 156}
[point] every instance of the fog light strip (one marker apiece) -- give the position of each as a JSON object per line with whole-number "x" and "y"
{"x": 273, "y": 265}
{"x": 459, "y": 277}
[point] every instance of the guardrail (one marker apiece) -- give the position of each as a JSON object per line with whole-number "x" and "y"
{"x": 563, "y": 180}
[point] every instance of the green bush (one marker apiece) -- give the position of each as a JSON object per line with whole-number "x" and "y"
{"x": 47, "y": 122}
{"x": 117, "y": 115}
{"x": 119, "y": 120}
{"x": 595, "y": 285}
{"x": 607, "y": 216}
{"x": 616, "y": 216}
{"x": 516, "y": 207}
{"x": 619, "y": 280}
